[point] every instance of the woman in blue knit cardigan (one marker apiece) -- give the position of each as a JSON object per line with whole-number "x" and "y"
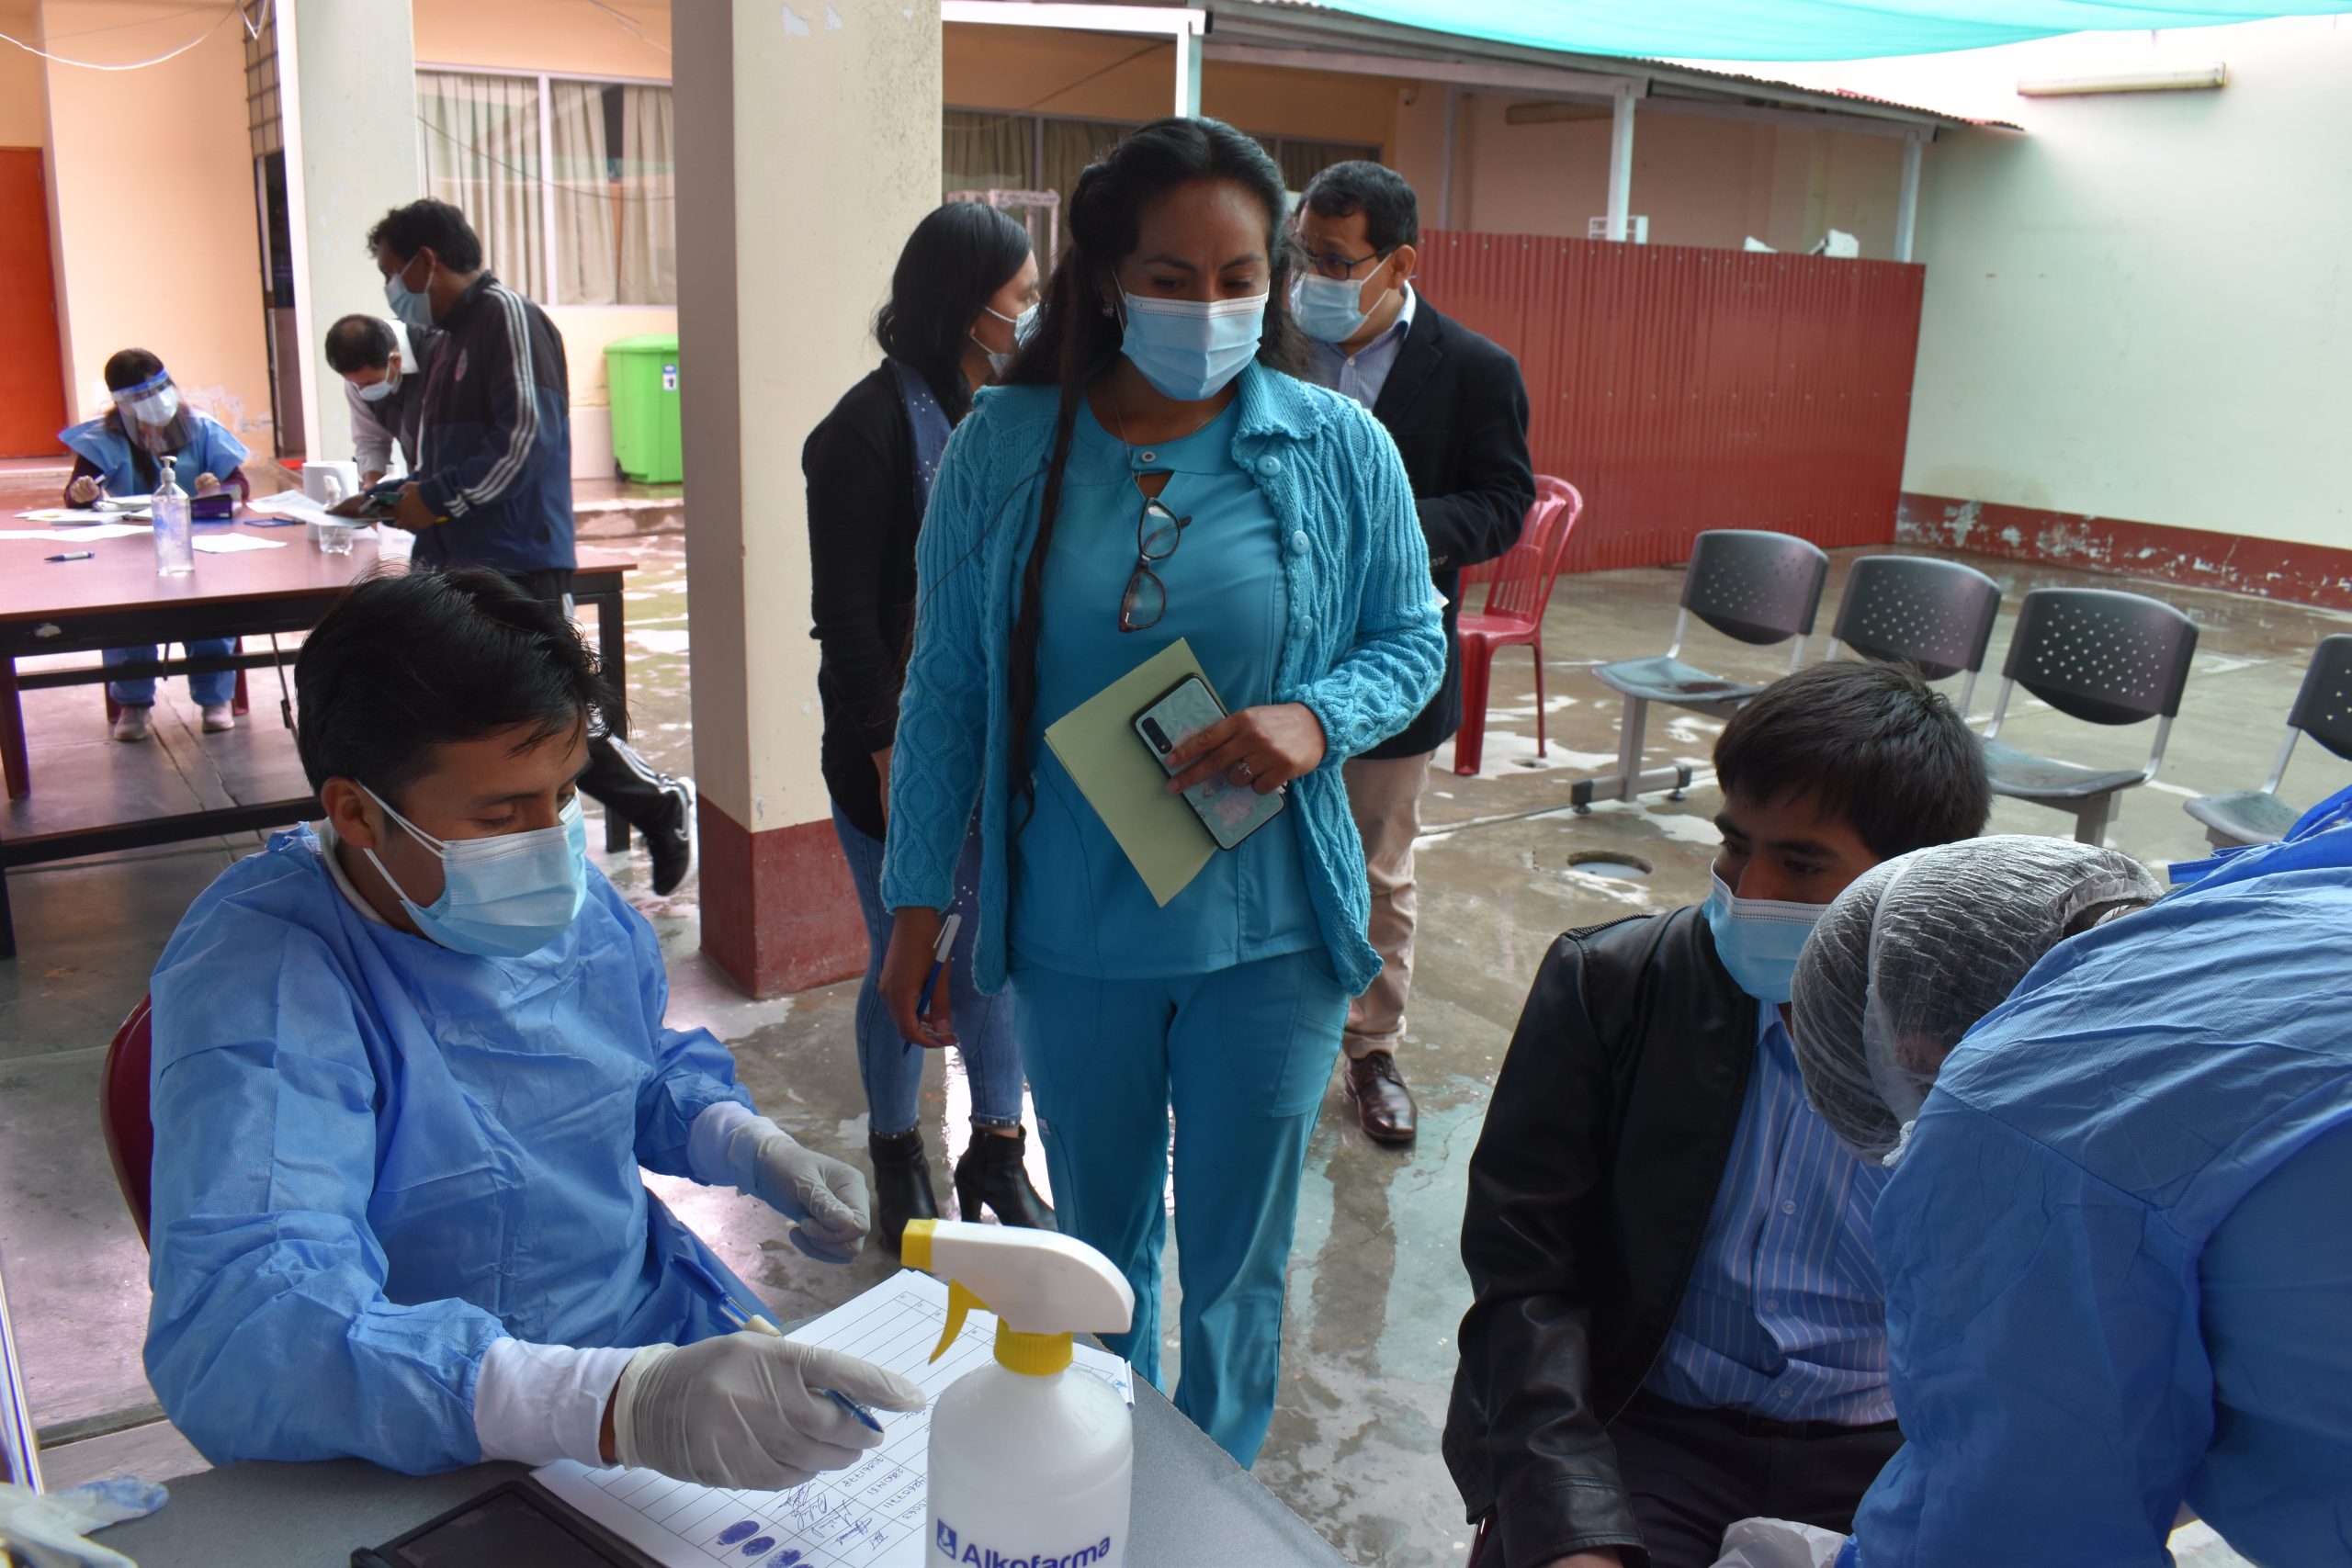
{"x": 1152, "y": 471}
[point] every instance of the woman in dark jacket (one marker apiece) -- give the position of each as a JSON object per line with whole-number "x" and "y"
{"x": 962, "y": 296}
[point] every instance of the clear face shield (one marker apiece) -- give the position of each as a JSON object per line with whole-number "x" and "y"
{"x": 150, "y": 411}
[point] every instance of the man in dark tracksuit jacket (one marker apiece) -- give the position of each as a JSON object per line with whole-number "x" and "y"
{"x": 492, "y": 485}
{"x": 1457, "y": 408}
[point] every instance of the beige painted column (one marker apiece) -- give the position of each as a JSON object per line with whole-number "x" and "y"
{"x": 809, "y": 146}
{"x": 346, "y": 72}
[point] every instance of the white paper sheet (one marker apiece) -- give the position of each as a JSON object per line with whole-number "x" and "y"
{"x": 292, "y": 503}
{"x": 869, "y": 1516}
{"x": 74, "y": 535}
{"x": 229, "y": 544}
{"x": 66, "y": 515}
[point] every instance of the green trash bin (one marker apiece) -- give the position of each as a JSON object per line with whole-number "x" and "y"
{"x": 643, "y": 373}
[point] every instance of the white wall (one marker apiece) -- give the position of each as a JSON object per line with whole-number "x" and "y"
{"x": 2141, "y": 310}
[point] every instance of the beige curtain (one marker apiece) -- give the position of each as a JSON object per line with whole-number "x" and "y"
{"x": 583, "y": 194}
{"x": 478, "y": 147}
{"x": 1070, "y": 145}
{"x": 987, "y": 152}
{"x": 649, "y": 218}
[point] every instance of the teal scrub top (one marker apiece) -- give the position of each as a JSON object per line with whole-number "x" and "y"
{"x": 1079, "y": 905}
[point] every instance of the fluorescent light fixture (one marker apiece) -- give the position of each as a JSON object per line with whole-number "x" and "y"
{"x": 1094, "y": 19}
{"x": 2192, "y": 79}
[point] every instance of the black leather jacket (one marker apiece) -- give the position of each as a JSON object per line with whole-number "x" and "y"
{"x": 1590, "y": 1193}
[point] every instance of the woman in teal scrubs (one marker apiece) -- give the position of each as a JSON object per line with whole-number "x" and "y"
{"x": 1153, "y": 471}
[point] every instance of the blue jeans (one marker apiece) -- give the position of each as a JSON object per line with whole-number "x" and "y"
{"x": 1241, "y": 1056}
{"x": 893, "y": 1069}
{"x": 213, "y": 687}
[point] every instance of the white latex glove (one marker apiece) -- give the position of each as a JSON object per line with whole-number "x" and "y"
{"x": 749, "y": 1410}
{"x": 825, "y": 1198}
{"x": 52, "y": 1532}
{"x": 1779, "y": 1543}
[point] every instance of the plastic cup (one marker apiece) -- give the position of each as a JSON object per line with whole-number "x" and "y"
{"x": 334, "y": 538}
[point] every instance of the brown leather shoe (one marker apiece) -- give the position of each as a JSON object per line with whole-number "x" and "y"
{"x": 1384, "y": 1105}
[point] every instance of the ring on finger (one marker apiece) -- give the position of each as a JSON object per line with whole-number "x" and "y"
{"x": 1247, "y": 771}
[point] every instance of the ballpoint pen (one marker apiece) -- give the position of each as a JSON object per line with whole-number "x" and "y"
{"x": 939, "y": 950}
{"x": 699, "y": 1275}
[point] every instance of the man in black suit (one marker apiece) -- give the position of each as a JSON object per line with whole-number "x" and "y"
{"x": 1457, "y": 409}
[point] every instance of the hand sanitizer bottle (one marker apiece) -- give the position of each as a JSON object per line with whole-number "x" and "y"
{"x": 174, "y": 544}
{"x": 1032, "y": 1458}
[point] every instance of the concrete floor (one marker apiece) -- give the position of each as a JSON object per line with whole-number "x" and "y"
{"x": 1379, "y": 1288}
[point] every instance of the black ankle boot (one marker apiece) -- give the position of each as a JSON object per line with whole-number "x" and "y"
{"x": 990, "y": 1175}
{"x": 901, "y": 1184}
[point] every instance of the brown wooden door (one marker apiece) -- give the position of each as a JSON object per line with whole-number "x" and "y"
{"x": 32, "y": 380}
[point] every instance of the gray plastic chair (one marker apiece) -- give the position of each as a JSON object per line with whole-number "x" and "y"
{"x": 1758, "y": 587}
{"x": 1935, "y": 615}
{"x": 2103, "y": 657}
{"x": 2322, "y": 710}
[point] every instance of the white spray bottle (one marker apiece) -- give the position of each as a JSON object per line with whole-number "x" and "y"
{"x": 1031, "y": 1458}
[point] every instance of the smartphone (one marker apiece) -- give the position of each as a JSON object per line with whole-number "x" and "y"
{"x": 1230, "y": 812}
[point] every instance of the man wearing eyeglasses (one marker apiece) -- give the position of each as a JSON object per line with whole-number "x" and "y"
{"x": 1457, "y": 408}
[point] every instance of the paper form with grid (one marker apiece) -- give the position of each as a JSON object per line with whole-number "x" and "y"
{"x": 869, "y": 1516}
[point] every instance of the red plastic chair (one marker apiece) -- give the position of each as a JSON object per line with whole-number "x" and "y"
{"x": 122, "y": 1111}
{"x": 1518, "y": 593}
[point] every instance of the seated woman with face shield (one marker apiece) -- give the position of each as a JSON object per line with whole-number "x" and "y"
{"x": 408, "y": 1063}
{"x": 120, "y": 454}
{"x": 2113, "y": 1242}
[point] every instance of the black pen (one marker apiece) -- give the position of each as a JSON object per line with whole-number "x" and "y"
{"x": 71, "y": 555}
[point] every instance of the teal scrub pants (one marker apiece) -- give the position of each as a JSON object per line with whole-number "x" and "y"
{"x": 1241, "y": 1056}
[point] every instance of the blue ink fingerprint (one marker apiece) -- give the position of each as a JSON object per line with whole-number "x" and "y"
{"x": 753, "y": 1548}
{"x": 734, "y": 1533}
{"x": 784, "y": 1559}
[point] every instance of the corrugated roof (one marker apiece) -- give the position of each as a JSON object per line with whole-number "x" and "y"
{"x": 1312, "y": 25}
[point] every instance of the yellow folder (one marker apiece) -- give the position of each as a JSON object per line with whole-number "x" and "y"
{"x": 1097, "y": 745}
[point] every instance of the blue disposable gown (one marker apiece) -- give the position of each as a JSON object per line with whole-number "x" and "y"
{"x": 2100, "y": 1300}
{"x": 210, "y": 449}
{"x": 374, "y": 1156}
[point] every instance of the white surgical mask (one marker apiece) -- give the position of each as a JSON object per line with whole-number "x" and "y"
{"x": 1023, "y": 325}
{"x": 505, "y": 897}
{"x": 149, "y": 403}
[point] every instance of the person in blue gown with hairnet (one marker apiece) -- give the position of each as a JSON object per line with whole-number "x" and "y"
{"x": 2118, "y": 1283}
{"x": 408, "y": 1063}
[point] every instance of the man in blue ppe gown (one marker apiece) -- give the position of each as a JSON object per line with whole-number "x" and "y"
{"x": 407, "y": 1065}
{"x": 2117, "y": 1282}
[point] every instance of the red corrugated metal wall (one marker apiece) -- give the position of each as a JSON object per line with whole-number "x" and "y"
{"x": 1682, "y": 388}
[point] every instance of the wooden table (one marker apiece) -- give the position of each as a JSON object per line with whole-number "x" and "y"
{"x": 117, "y": 600}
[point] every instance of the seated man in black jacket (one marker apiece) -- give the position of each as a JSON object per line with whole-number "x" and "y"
{"x": 1679, "y": 1320}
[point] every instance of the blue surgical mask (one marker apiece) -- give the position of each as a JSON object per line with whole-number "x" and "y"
{"x": 1330, "y": 309}
{"x": 1190, "y": 349}
{"x": 413, "y": 306}
{"x": 501, "y": 897}
{"x": 1759, "y": 939}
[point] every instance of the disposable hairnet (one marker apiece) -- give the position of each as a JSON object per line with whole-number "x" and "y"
{"x": 1918, "y": 949}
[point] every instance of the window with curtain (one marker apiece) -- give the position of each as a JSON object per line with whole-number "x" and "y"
{"x": 478, "y": 149}
{"x": 574, "y": 207}
{"x": 989, "y": 149}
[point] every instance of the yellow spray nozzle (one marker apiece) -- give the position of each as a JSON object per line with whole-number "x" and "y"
{"x": 960, "y": 1302}
{"x": 914, "y": 1246}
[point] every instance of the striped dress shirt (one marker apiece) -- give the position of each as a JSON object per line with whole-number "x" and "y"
{"x": 1785, "y": 1314}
